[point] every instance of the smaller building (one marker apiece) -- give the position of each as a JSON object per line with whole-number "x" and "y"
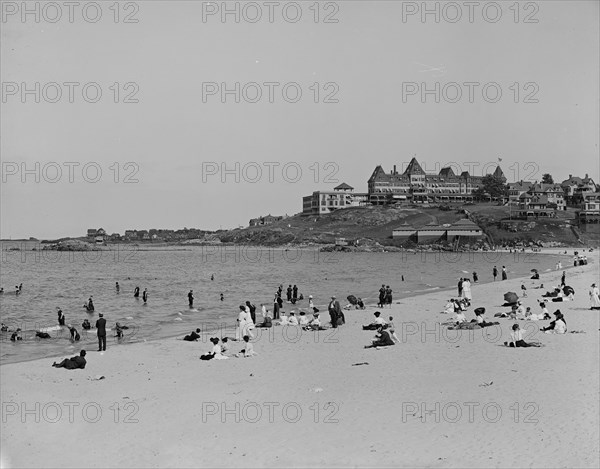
{"x": 590, "y": 212}
{"x": 404, "y": 232}
{"x": 342, "y": 196}
{"x": 266, "y": 220}
{"x": 463, "y": 228}
{"x": 93, "y": 234}
{"x": 432, "y": 234}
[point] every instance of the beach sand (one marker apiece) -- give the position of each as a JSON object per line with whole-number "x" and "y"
{"x": 437, "y": 399}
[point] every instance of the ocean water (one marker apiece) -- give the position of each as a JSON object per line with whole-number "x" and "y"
{"x": 67, "y": 279}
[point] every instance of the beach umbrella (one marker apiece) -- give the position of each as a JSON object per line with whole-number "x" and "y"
{"x": 510, "y": 297}
{"x": 567, "y": 290}
{"x": 352, "y": 299}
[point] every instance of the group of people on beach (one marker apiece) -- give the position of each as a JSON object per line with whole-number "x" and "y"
{"x": 495, "y": 273}
{"x": 385, "y": 296}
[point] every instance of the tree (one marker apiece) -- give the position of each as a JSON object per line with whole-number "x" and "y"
{"x": 547, "y": 179}
{"x": 492, "y": 187}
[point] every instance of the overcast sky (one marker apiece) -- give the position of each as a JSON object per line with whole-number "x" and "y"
{"x": 370, "y": 68}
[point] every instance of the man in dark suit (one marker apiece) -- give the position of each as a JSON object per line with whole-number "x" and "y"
{"x": 101, "y": 326}
{"x": 335, "y": 311}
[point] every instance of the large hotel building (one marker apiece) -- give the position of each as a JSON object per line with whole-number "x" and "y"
{"x": 414, "y": 185}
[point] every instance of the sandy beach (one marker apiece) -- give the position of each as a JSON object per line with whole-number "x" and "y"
{"x": 439, "y": 398}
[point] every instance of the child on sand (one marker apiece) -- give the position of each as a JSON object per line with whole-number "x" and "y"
{"x": 523, "y": 290}
{"x": 248, "y": 350}
{"x": 392, "y": 329}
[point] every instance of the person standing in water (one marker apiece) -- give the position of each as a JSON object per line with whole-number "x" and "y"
{"x": 495, "y": 272}
{"x": 191, "y": 298}
{"x": 61, "y": 317}
{"x": 74, "y": 334}
{"x": 222, "y": 297}
{"x": 90, "y": 305}
{"x": 117, "y": 287}
{"x": 212, "y": 277}
{"x": 145, "y": 295}
{"x": 136, "y": 292}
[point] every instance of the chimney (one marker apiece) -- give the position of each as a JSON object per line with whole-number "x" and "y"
{"x": 586, "y": 175}
{"x": 570, "y": 176}
{"x": 395, "y": 169}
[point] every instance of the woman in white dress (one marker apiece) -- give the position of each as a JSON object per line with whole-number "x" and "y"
{"x": 594, "y": 297}
{"x": 466, "y": 293}
{"x": 242, "y": 323}
{"x": 215, "y": 353}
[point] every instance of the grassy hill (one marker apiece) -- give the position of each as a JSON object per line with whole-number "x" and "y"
{"x": 376, "y": 224}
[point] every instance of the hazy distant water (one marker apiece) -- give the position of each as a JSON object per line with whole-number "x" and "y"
{"x": 68, "y": 279}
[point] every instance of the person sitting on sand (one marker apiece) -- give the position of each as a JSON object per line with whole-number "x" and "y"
{"x": 544, "y": 313}
{"x": 479, "y": 312}
{"x": 215, "y": 353}
{"x": 360, "y": 303}
{"x": 193, "y": 336}
{"x": 516, "y": 339}
{"x": 315, "y": 323}
{"x": 267, "y": 322}
{"x": 86, "y": 324}
{"x": 383, "y": 339}
{"x": 224, "y": 345}
{"x": 449, "y": 308}
{"x": 73, "y": 363}
{"x": 293, "y": 320}
{"x": 552, "y": 294}
{"x": 283, "y": 319}
{"x": 248, "y": 350}
{"x": 16, "y": 336}
{"x": 460, "y": 317}
{"x": 376, "y": 324}
{"x": 520, "y": 310}
{"x": 302, "y": 320}
{"x": 558, "y": 326}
